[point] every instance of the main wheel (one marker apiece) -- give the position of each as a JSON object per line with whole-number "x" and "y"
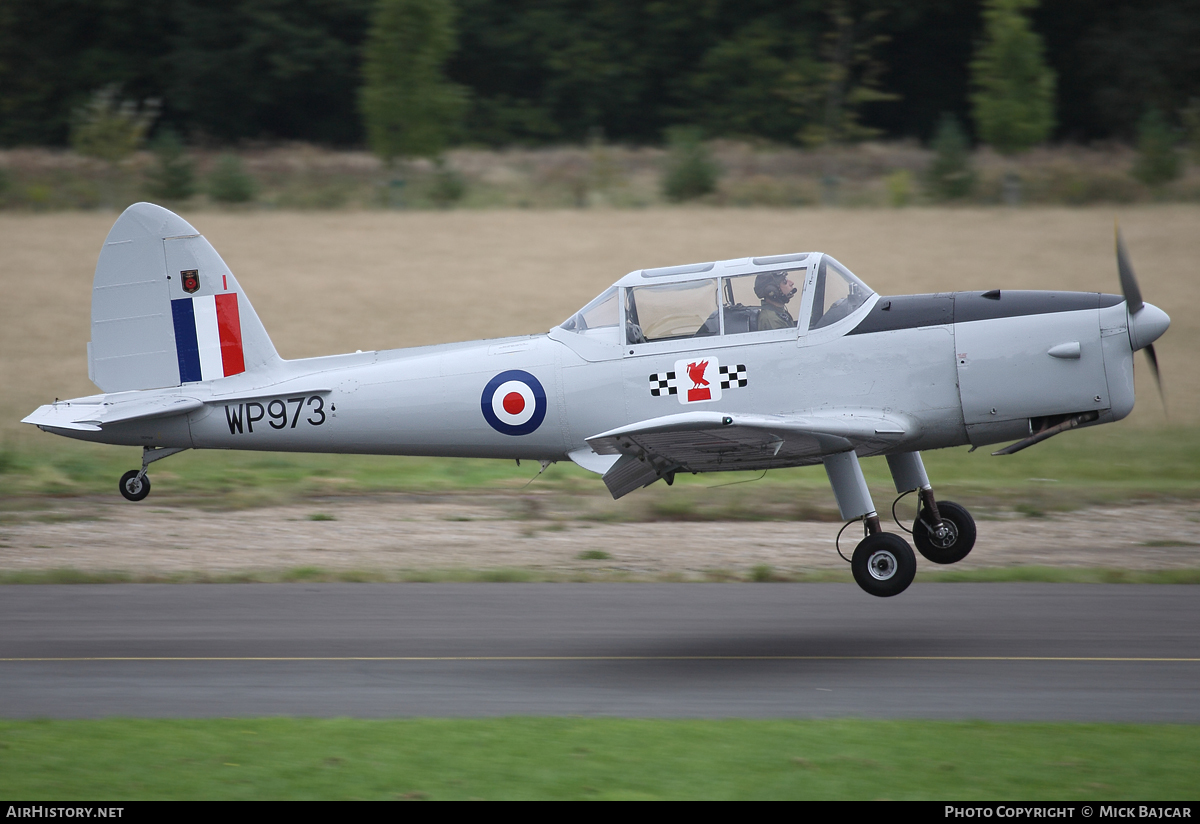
{"x": 957, "y": 539}
{"x": 883, "y": 564}
{"x": 133, "y": 488}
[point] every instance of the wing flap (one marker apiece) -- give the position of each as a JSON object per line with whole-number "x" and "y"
{"x": 631, "y": 473}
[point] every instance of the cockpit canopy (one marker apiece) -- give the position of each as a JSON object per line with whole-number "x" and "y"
{"x": 692, "y": 302}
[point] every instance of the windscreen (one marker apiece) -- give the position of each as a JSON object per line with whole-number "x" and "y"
{"x": 837, "y": 293}
{"x": 599, "y": 314}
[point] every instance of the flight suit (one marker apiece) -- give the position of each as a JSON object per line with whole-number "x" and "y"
{"x": 771, "y": 316}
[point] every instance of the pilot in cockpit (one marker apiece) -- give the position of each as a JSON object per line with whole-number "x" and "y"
{"x": 774, "y": 289}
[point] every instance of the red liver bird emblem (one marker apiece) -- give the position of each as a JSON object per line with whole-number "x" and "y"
{"x": 699, "y": 390}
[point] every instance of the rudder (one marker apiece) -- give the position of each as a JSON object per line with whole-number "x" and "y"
{"x": 166, "y": 310}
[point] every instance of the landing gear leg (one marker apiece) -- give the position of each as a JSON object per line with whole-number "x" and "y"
{"x": 883, "y": 563}
{"x": 943, "y": 532}
{"x": 134, "y": 485}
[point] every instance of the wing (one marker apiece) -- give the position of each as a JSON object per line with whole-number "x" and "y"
{"x": 713, "y": 441}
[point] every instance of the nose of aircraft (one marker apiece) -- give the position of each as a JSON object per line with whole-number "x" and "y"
{"x": 1147, "y": 325}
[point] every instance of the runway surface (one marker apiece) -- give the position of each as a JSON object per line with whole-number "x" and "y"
{"x": 952, "y": 651}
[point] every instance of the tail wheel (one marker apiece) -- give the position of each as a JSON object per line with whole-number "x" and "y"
{"x": 956, "y": 539}
{"x": 883, "y": 564}
{"x": 133, "y": 487}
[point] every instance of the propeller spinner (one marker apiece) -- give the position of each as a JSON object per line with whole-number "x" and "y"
{"x": 1147, "y": 322}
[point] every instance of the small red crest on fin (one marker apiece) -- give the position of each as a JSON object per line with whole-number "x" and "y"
{"x": 191, "y": 280}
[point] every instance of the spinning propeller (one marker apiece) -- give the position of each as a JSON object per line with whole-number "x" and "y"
{"x": 1146, "y": 323}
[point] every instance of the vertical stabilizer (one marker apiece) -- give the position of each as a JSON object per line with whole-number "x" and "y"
{"x": 166, "y": 310}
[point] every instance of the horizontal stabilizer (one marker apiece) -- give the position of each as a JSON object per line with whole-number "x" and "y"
{"x": 296, "y": 387}
{"x": 93, "y": 414}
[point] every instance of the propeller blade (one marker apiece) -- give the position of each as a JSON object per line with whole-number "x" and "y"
{"x": 1134, "y": 304}
{"x": 1129, "y": 284}
{"x": 1157, "y": 375}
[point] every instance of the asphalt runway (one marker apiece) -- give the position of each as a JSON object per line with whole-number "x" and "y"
{"x": 949, "y": 651}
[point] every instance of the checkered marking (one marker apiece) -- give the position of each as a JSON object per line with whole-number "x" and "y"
{"x": 732, "y": 376}
{"x": 663, "y": 383}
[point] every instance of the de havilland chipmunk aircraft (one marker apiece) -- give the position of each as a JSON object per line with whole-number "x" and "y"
{"x": 748, "y": 364}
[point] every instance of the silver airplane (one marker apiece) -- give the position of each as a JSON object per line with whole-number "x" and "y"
{"x": 778, "y": 361}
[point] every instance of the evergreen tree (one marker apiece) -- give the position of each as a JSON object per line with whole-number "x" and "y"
{"x": 1190, "y": 115}
{"x": 737, "y": 87}
{"x": 950, "y": 175}
{"x": 1014, "y": 88}
{"x": 230, "y": 182}
{"x": 409, "y": 107}
{"x": 109, "y": 128}
{"x": 690, "y": 171}
{"x": 850, "y": 72}
{"x": 1157, "y": 161}
{"x": 173, "y": 176}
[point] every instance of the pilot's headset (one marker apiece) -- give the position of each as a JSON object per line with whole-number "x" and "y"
{"x": 769, "y": 286}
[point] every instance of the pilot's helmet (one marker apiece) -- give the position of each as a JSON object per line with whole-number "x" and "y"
{"x": 769, "y": 286}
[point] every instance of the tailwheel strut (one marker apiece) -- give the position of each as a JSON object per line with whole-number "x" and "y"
{"x": 134, "y": 484}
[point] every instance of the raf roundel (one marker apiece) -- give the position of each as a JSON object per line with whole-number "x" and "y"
{"x": 514, "y": 403}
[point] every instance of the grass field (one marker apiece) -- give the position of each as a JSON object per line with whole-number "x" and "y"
{"x": 1096, "y": 466}
{"x": 872, "y": 174}
{"x": 552, "y": 758}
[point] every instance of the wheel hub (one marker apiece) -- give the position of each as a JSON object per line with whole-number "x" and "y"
{"x": 882, "y": 565}
{"x": 944, "y": 535}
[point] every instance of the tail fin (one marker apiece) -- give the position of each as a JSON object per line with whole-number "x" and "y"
{"x": 166, "y": 310}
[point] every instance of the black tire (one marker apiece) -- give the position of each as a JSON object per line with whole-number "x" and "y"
{"x": 132, "y": 488}
{"x": 883, "y": 564}
{"x": 956, "y": 545}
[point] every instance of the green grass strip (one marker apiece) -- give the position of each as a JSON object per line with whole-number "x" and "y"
{"x": 516, "y": 758}
{"x": 1095, "y": 466}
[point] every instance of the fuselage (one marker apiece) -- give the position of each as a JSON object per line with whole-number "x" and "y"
{"x": 966, "y": 367}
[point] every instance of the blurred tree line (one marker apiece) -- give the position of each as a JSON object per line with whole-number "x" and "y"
{"x": 543, "y": 71}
